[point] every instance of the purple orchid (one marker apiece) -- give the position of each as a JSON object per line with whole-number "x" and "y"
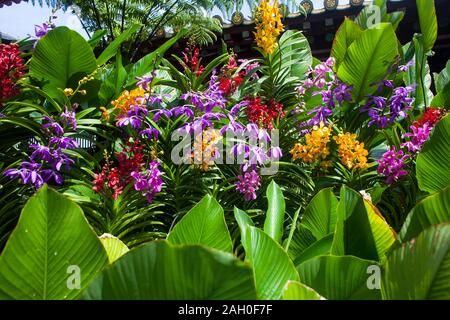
{"x": 392, "y": 165}
{"x": 418, "y": 137}
{"x": 150, "y": 133}
{"x": 149, "y": 183}
{"x": 321, "y": 114}
{"x": 68, "y": 119}
{"x": 49, "y": 123}
{"x": 248, "y": 184}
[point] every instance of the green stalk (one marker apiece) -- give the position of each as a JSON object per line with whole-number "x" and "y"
{"x": 293, "y": 228}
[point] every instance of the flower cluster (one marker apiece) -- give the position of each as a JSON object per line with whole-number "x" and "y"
{"x": 392, "y": 165}
{"x": 264, "y": 114}
{"x": 11, "y": 70}
{"x": 421, "y": 130}
{"x": 127, "y": 99}
{"x": 331, "y": 89}
{"x": 383, "y": 112}
{"x": 315, "y": 150}
{"x": 205, "y": 148}
{"x": 148, "y": 182}
{"x": 431, "y": 116}
{"x": 208, "y": 100}
{"x": 268, "y": 25}
{"x": 393, "y": 162}
{"x": 229, "y": 81}
{"x": 248, "y": 184}
{"x": 192, "y": 62}
{"x": 116, "y": 178}
{"x": 46, "y": 163}
{"x": 351, "y": 152}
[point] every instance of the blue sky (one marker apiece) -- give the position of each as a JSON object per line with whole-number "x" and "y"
{"x": 18, "y": 20}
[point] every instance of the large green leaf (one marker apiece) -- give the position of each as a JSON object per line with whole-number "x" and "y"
{"x": 442, "y": 99}
{"x": 348, "y": 32}
{"x": 293, "y": 56}
{"x": 160, "y": 271}
{"x": 96, "y": 38}
{"x": 433, "y": 210}
{"x": 112, "y": 49}
{"x": 360, "y": 229}
{"x": 273, "y": 224}
{"x": 243, "y": 221}
{"x": 113, "y": 246}
{"x": 271, "y": 265}
{"x": 150, "y": 61}
{"x": 301, "y": 241}
{"x": 321, "y": 247}
{"x": 420, "y": 269}
{"x": 339, "y": 278}
{"x": 443, "y": 78}
{"x": 314, "y": 235}
{"x": 61, "y": 58}
{"x": 418, "y": 74}
{"x": 204, "y": 224}
{"x": 368, "y": 59}
{"x": 320, "y": 214}
{"x": 297, "y": 291}
{"x": 52, "y": 240}
{"x": 433, "y": 165}
{"x": 113, "y": 81}
{"x": 368, "y": 16}
{"x": 428, "y": 22}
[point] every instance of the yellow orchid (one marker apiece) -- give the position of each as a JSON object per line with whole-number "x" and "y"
{"x": 268, "y": 25}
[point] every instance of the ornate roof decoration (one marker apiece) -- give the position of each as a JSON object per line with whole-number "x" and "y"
{"x": 240, "y": 12}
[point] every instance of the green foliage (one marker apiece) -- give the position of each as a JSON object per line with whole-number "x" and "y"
{"x": 428, "y": 22}
{"x": 204, "y": 224}
{"x": 52, "y": 236}
{"x": 361, "y": 230}
{"x": 273, "y": 225}
{"x": 272, "y": 267}
{"x": 433, "y": 167}
{"x": 368, "y": 59}
{"x": 430, "y": 211}
{"x": 286, "y": 67}
{"x": 60, "y": 60}
{"x": 296, "y": 291}
{"x": 113, "y": 246}
{"x": 339, "y": 278}
{"x": 348, "y": 32}
{"x": 158, "y": 271}
{"x": 428, "y": 278}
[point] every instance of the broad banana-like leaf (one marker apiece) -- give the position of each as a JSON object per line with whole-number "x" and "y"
{"x": 53, "y": 254}
{"x": 420, "y": 269}
{"x": 361, "y": 230}
{"x": 368, "y": 60}
{"x": 433, "y": 165}
{"x": 61, "y": 58}
{"x": 274, "y": 222}
{"x": 271, "y": 265}
{"x": 432, "y": 210}
{"x": 295, "y": 290}
{"x": 341, "y": 278}
{"x": 113, "y": 246}
{"x": 204, "y": 224}
{"x": 160, "y": 271}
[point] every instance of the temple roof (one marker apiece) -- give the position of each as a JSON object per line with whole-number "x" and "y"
{"x": 240, "y": 13}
